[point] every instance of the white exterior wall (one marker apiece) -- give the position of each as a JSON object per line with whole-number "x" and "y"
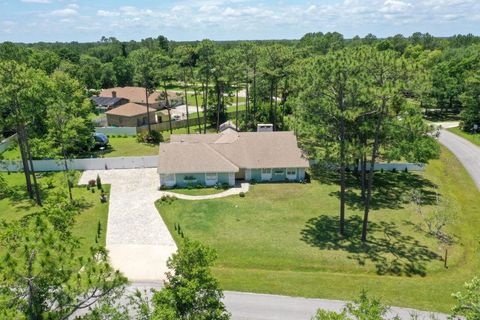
{"x": 248, "y": 174}
{"x": 231, "y": 179}
{"x": 291, "y": 177}
{"x": 301, "y": 173}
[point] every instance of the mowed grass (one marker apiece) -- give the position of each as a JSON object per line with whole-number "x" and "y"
{"x": 282, "y": 239}
{"x": 473, "y": 138}
{"x": 92, "y": 212}
{"x": 120, "y": 146}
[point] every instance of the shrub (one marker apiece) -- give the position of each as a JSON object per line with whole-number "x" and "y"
{"x": 4, "y": 189}
{"x": 50, "y": 183}
{"x": 253, "y": 181}
{"x": 99, "y": 182}
{"x": 92, "y": 183}
{"x": 242, "y": 194}
{"x": 154, "y": 137}
{"x": 406, "y": 169}
{"x": 394, "y": 170}
{"x": 225, "y": 186}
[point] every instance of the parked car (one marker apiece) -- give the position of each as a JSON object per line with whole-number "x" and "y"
{"x": 101, "y": 140}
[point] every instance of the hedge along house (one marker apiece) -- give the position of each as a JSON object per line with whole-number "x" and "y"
{"x": 223, "y": 158}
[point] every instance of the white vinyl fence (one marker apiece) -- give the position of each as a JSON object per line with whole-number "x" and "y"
{"x": 84, "y": 164}
{"x": 129, "y": 131}
{"x": 8, "y": 142}
{"x": 386, "y": 166}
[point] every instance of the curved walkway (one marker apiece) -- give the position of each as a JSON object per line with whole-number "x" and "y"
{"x": 138, "y": 240}
{"x": 244, "y": 187}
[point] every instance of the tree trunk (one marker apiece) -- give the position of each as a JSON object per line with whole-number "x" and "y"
{"x": 254, "y": 89}
{"x": 198, "y": 111}
{"x": 236, "y": 108}
{"x": 26, "y": 168}
{"x": 342, "y": 163}
{"x": 205, "y": 104}
{"x": 66, "y": 172}
{"x": 32, "y": 171}
{"x": 148, "y": 112}
{"x": 364, "y": 174}
{"x": 247, "y": 99}
{"x": 275, "y": 109}
{"x": 186, "y": 99}
{"x": 271, "y": 101}
{"x": 219, "y": 104}
{"x": 368, "y": 196}
{"x": 168, "y": 107}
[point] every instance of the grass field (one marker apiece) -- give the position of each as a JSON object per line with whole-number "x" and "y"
{"x": 19, "y": 205}
{"x": 474, "y": 138}
{"x": 282, "y": 238}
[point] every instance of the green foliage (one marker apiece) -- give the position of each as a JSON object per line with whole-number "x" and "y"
{"x": 190, "y": 291}
{"x": 99, "y": 182}
{"x": 364, "y": 308}
{"x": 42, "y": 272}
{"x": 154, "y": 137}
{"x": 4, "y": 188}
{"x": 468, "y": 301}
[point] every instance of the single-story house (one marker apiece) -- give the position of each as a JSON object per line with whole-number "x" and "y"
{"x": 137, "y": 95}
{"x": 223, "y": 158}
{"x": 130, "y": 115}
{"x": 107, "y": 103}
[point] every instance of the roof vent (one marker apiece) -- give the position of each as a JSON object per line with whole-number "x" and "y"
{"x": 114, "y": 94}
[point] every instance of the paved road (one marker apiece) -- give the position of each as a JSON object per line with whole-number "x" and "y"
{"x": 467, "y": 152}
{"x": 253, "y": 306}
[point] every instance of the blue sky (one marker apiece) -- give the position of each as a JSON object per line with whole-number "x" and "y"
{"x": 88, "y": 20}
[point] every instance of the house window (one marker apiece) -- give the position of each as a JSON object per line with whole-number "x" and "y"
{"x": 210, "y": 176}
{"x": 266, "y": 171}
{"x": 278, "y": 172}
{"x": 291, "y": 172}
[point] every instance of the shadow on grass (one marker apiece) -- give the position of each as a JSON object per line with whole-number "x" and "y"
{"x": 392, "y": 252}
{"x": 391, "y": 190}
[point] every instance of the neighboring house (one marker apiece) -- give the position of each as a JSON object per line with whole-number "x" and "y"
{"x": 223, "y": 158}
{"x": 137, "y": 95}
{"x": 130, "y": 115}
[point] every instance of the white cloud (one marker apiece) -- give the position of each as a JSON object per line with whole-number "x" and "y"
{"x": 69, "y": 11}
{"x": 104, "y": 13}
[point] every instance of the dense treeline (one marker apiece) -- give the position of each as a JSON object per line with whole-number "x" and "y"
{"x": 447, "y": 69}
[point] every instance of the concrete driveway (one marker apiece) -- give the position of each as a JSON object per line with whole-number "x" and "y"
{"x": 138, "y": 240}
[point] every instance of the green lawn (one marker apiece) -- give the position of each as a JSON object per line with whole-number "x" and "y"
{"x": 474, "y": 138}
{"x": 282, "y": 239}
{"x": 93, "y": 211}
{"x": 119, "y": 147}
{"x": 128, "y": 147}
